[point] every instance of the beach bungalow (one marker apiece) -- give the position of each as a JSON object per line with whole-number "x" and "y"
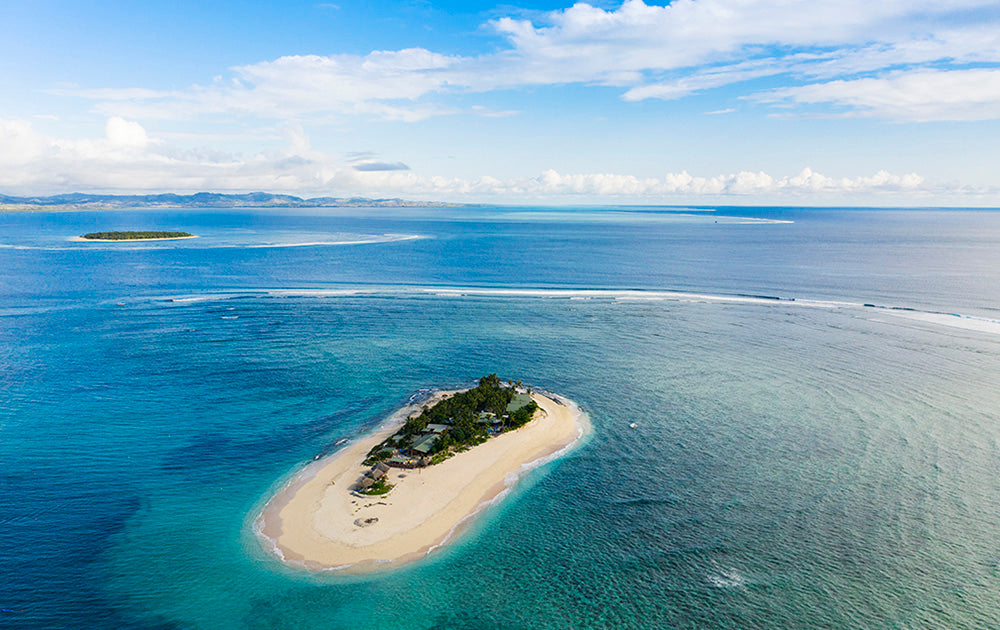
{"x": 365, "y": 483}
{"x": 383, "y": 467}
{"x": 376, "y": 473}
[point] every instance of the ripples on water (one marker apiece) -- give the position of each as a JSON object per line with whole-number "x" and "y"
{"x": 792, "y": 464}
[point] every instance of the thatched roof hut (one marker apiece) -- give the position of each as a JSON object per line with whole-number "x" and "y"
{"x": 376, "y": 473}
{"x": 366, "y": 483}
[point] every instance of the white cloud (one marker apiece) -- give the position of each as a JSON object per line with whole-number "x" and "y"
{"x": 128, "y": 159}
{"x": 805, "y": 187}
{"x": 914, "y": 96}
{"x": 699, "y": 33}
{"x": 744, "y": 183}
{"x": 20, "y": 143}
{"x": 125, "y": 133}
{"x": 382, "y": 83}
{"x": 703, "y": 80}
{"x": 662, "y": 52}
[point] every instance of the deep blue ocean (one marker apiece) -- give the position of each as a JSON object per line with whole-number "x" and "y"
{"x": 814, "y": 392}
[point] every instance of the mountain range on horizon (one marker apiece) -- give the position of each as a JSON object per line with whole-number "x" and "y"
{"x": 206, "y": 200}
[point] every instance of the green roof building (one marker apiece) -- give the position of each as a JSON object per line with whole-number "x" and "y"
{"x": 424, "y": 444}
{"x": 520, "y": 400}
{"x": 485, "y": 417}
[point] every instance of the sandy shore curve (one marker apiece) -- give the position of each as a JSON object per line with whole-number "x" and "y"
{"x": 316, "y": 522}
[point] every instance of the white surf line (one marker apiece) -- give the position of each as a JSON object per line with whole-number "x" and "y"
{"x": 621, "y": 295}
{"x": 97, "y": 246}
{"x": 953, "y": 320}
{"x": 144, "y": 244}
{"x": 708, "y": 216}
{"x": 613, "y": 294}
{"x": 386, "y": 238}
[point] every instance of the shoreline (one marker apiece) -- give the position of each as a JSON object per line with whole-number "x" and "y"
{"x": 312, "y": 522}
{"x": 80, "y": 239}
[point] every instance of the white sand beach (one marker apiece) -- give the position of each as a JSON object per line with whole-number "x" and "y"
{"x": 316, "y": 522}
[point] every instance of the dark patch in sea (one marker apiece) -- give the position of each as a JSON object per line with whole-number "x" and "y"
{"x": 218, "y": 450}
{"x": 52, "y": 542}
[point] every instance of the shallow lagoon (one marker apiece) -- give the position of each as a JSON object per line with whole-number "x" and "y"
{"x": 796, "y": 463}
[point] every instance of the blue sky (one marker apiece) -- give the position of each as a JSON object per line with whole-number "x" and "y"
{"x": 697, "y": 101}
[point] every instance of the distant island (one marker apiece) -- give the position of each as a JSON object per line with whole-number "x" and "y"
{"x": 394, "y": 496}
{"x": 135, "y": 236}
{"x": 80, "y": 201}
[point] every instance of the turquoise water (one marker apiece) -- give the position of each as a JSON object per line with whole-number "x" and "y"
{"x": 803, "y": 462}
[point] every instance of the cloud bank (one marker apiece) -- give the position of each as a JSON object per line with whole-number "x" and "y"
{"x": 126, "y": 158}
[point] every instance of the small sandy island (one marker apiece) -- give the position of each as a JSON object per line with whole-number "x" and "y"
{"x": 80, "y": 239}
{"x": 318, "y": 522}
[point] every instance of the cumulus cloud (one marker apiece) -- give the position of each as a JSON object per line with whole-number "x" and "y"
{"x": 128, "y": 158}
{"x": 606, "y": 185}
{"x": 651, "y": 52}
{"x": 125, "y": 133}
{"x": 20, "y": 143}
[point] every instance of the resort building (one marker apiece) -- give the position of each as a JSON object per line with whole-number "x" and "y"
{"x": 402, "y": 461}
{"x": 424, "y": 444}
{"x": 486, "y": 417}
{"x": 417, "y": 444}
{"x": 520, "y": 400}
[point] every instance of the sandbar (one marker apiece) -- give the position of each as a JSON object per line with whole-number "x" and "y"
{"x": 312, "y": 521}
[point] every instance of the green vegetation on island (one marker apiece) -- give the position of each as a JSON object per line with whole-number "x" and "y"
{"x": 133, "y": 236}
{"x": 452, "y": 425}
